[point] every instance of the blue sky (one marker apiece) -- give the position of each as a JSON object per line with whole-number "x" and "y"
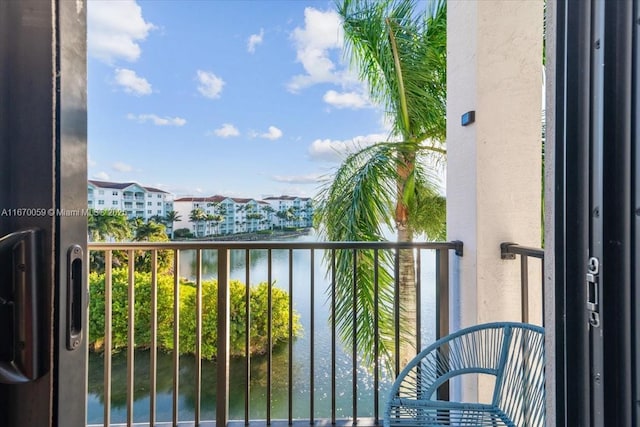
{"x": 240, "y": 98}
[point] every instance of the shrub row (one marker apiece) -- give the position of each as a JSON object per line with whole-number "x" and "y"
{"x": 258, "y": 304}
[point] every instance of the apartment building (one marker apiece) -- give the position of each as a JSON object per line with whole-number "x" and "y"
{"x": 291, "y": 211}
{"x": 230, "y": 215}
{"x": 133, "y": 199}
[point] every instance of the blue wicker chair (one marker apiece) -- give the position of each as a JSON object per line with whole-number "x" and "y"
{"x": 513, "y": 353}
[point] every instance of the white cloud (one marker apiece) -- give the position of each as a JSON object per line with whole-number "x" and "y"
{"x": 121, "y": 167}
{"x": 353, "y": 100}
{"x": 90, "y": 161}
{"x": 114, "y": 30}
{"x": 157, "y": 120}
{"x": 298, "y": 179}
{"x": 273, "y": 133}
{"x": 227, "y": 130}
{"x": 210, "y": 85}
{"x": 334, "y": 151}
{"x": 131, "y": 82}
{"x": 322, "y": 33}
{"x": 101, "y": 175}
{"x": 254, "y": 40}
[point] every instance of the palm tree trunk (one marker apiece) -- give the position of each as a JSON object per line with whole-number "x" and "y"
{"x": 406, "y": 267}
{"x": 407, "y": 300}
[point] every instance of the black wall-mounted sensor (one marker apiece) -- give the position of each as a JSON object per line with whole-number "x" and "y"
{"x": 468, "y": 118}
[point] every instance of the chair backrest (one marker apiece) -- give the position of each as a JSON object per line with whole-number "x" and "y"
{"x": 513, "y": 353}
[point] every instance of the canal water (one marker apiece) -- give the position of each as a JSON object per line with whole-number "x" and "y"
{"x": 279, "y": 386}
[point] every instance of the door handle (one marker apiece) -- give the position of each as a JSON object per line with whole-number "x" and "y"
{"x": 21, "y": 328}
{"x": 75, "y": 292}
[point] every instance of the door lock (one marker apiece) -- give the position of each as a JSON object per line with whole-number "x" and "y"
{"x": 593, "y": 291}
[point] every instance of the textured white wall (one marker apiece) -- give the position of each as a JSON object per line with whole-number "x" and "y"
{"x": 494, "y": 165}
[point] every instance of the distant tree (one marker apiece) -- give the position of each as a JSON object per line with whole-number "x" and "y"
{"x": 182, "y": 233}
{"x": 170, "y": 218}
{"x": 214, "y": 219}
{"x": 135, "y": 222}
{"x": 106, "y": 224}
{"x": 156, "y": 218}
{"x": 151, "y": 232}
{"x": 268, "y": 210}
{"x": 197, "y": 216}
{"x": 286, "y": 215}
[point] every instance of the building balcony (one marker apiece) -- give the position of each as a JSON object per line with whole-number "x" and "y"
{"x": 315, "y": 378}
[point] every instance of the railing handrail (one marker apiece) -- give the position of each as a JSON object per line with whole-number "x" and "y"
{"x": 281, "y": 244}
{"x": 508, "y": 250}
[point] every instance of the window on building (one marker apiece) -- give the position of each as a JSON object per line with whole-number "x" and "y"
{"x": 159, "y": 196}
{"x": 149, "y": 203}
{"x": 114, "y": 203}
{"x": 101, "y": 202}
{"x": 149, "y": 211}
{"x": 114, "y": 193}
{"x": 101, "y": 192}
{"x": 159, "y": 203}
{"x": 159, "y": 211}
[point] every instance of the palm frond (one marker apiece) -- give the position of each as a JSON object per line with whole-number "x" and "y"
{"x": 402, "y": 57}
{"x": 355, "y": 206}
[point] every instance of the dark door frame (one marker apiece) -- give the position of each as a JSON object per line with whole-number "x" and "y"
{"x": 43, "y": 136}
{"x": 594, "y": 211}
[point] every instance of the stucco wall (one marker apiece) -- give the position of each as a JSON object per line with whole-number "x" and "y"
{"x": 493, "y": 165}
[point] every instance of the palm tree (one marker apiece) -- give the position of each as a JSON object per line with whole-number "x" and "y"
{"x": 170, "y": 218}
{"x": 108, "y": 224}
{"x": 156, "y": 218}
{"x": 135, "y": 223}
{"x": 285, "y": 215}
{"x": 268, "y": 210}
{"x": 401, "y": 56}
{"x": 215, "y": 219}
{"x": 197, "y": 216}
{"x": 151, "y": 232}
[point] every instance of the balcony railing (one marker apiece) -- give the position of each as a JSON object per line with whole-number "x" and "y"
{"x": 434, "y": 286}
{"x": 509, "y": 250}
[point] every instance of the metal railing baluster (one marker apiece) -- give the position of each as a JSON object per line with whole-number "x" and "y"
{"x": 290, "y": 337}
{"x": 312, "y": 339}
{"x": 508, "y": 251}
{"x": 247, "y": 337}
{"x": 176, "y": 336}
{"x": 418, "y": 260}
{"x": 354, "y": 344}
{"x": 396, "y": 310}
{"x": 222, "y": 390}
{"x": 108, "y": 283}
{"x": 153, "y": 364}
{"x": 333, "y": 336}
{"x": 131, "y": 302}
{"x": 269, "y": 331}
{"x": 198, "y": 356}
{"x": 376, "y": 337}
{"x": 442, "y": 306}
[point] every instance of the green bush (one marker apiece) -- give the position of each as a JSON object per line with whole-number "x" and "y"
{"x": 182, "y": 233}
{"x": 258, "y": 298}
